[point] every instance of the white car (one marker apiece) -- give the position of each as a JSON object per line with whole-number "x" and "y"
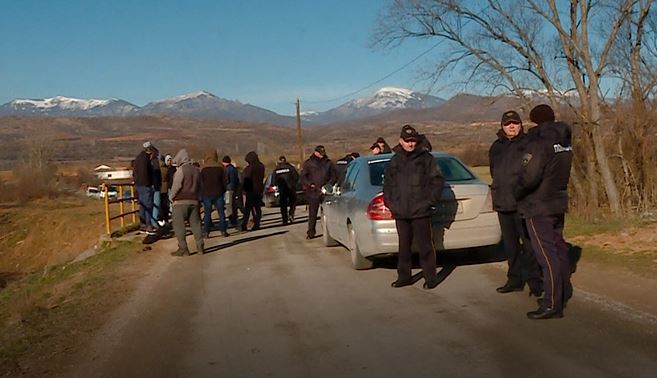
{"x": 97, "y": 193}
{"x": 355, "y": 216}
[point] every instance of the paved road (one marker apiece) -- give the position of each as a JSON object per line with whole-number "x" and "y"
{"x": 272, "y": 304}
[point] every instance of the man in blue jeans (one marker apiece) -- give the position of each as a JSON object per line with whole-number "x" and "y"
{"x": 213, "y": 184}
{"x": 143, "y": 176}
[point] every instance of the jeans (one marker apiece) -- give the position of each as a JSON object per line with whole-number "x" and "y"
{"x": 156, "y": 207}
{"x": 218, "y": 203}
{"x": 145, "y": 198}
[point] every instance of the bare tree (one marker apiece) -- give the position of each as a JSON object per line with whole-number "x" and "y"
{"x": 522, "y": 48}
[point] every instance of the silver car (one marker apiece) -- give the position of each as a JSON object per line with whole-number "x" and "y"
{"x": 355, "y": 216}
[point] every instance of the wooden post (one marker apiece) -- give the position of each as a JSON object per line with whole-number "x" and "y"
{"x": 132, "y": 202}
{"x": 121, "y": 207}
{"x": 299, "y": 145}
{"x": 108, "y": 225}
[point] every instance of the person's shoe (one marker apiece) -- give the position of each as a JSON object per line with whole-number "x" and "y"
{"x": 201, "y": 251}
{"x": 310, "y": 236}
{"x": 255, "y": 228}
{"x": 205, "y": 235}
{"x": 225, "y": 234}
{"x": 180, "y": 252}
{"x": 291, "y": 219}
{"x": 545, "y": 313}
{"x": 401, "y": 283}
{"x": 431, "y": 284}
{"x": 508, "y": 288}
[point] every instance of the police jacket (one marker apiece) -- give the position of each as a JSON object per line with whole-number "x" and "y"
{"x": 317, "y": 172}
{"x": 286, "y": 177}
{"x": 541, "y": 187}
{"x": 412, "y": 183}
{"x": 505, "y": 157}
{"x": 142, "y": 171}
{"x": 254, "y": 174}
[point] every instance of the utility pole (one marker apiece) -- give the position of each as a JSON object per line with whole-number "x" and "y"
{"x": 299, "y": 144}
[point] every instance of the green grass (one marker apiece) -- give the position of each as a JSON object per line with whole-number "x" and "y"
{"x": 44, "y": 311}
{"x": 643, "y": 263}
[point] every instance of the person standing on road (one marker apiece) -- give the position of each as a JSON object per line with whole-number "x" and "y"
{"x": 164, "y": 191}
{"x": 157, "y": 186}
{"x": 186, "y": 193}
{"x": 504, "y": 159}
{"x": 253, "y": 176}
{"x": 541, "y": 190}
{"x": 317, "y": 171}
{"x": 412, "y": 186}
{"x": 143, "y": 176}
{"x": 213, "y": 184}
{"x": 232, "y": 184}
{"x": 286, "y": 178}
{"x": 384, "y": 148}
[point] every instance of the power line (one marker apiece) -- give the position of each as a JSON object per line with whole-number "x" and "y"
{"x": 368, "y": 86}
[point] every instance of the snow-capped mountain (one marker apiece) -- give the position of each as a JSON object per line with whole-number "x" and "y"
{"x": 384, "y": 100}
{"x": 61, "y": 106}
{"x": 206, "y": 105}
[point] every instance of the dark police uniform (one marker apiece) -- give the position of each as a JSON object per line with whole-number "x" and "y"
{"x": 542, "y": 194}
{"x": 505, "y": 157}
{"x": 286, "y": 178}
{"x": 412, "y": 186}
{"x": 316, "y": 172}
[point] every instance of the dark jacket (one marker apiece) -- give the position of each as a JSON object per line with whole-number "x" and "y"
{"x": 254, "y": 174}
{"x": 412, "y": 184}
{"x": 286, "y": 177}
{"x": 541, "y": 187}
{"x": 316, "y": 173}
{"x": 213, "y": 181}
{"x": 157, "y": 174}
{"x": 232, "y": 177}
{"x": 505, "y": 157}
{"x": 142, "y": 171}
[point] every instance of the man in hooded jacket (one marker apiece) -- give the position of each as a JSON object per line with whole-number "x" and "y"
{"x": 253, "y": 178}
{"x": 186, "y": 193}
{"x": 412, "y": 187}
{"x": 213, "y": 182}
{"x": 541, "y": 190}
{"x": 318, "y": 170}
{"x": 504, "y": 158}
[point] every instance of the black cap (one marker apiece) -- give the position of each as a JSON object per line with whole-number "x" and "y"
{"x": 541, "y": 113}
{"x": 510, "y": 117}
{"x": 226, "y": 159}
{"x": 380, "y": 140}
{"x": 408, "y": 133}
{"x": 321, "y": 150}
{"x": 282, "y": 159}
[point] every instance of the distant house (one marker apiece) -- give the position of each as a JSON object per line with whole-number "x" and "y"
{"x": 107, "y": 173}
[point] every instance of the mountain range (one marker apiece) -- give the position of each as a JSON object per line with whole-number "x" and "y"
{"x": 206, "y": 105}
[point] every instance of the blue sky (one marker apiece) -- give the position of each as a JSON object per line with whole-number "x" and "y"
{"x": 265, "y": 53}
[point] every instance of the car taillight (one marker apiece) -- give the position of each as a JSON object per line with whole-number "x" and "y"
{"x": 377, "y": 210}
{"x": 271, "y": 189}
{"x": 488, "y": 204}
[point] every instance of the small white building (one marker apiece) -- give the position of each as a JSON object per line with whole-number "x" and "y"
{"x": 107, "y": 173}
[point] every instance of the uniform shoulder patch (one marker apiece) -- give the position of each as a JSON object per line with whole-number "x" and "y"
{"x": 526, "y": 158}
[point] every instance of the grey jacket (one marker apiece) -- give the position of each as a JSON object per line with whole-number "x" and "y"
{"x": 186, "y": 187}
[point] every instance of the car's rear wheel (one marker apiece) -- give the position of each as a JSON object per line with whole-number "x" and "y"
{"x": 357, "y": 260}
{"x": 326, "y": 237}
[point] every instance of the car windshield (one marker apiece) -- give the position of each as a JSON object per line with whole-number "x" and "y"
{"x": 452, "y": 169}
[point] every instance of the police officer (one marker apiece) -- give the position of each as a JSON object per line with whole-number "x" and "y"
{"x": 504, "y": 158}
{"x": 286, "y": 178}
{"x": 317, "y": 171}
{"x": 542, "y": 193}
{"x": 413, "y": 185}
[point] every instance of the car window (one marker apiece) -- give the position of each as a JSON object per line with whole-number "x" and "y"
{"x": 452, "y": 169}
{"x": 350, "y": 177}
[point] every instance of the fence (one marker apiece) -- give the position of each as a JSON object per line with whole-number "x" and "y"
{"x": 122, "y": 196}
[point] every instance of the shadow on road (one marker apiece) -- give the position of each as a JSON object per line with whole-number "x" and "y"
{"x": 242, "y": 240}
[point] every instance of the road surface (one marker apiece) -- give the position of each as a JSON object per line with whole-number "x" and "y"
{"x": 272, "y": 304}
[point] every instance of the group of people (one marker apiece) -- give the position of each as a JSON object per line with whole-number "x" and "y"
{"x": 530, "y": 173}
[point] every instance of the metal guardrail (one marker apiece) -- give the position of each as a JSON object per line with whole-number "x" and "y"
{"x": 120, "y": 200}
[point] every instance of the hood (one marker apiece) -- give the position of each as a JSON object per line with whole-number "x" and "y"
{"x": 556, "y": 131}
{"x": 211, "y": 158}
{"x": 251, "y": 157}
{"x": 182, "y": 157}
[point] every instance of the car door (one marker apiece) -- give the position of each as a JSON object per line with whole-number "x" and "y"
{"x": 343, "y": 206}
